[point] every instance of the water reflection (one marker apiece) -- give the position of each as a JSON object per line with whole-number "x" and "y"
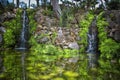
{"x": 36, "y": 66}
{"x": 13, "y": 62}
{"x": 23, "y": 66}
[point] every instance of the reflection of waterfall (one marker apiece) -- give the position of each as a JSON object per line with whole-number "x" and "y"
{"x": 92, "y": 49}
{"x": 23, "y": 66}
{"x": 24, "y": 31}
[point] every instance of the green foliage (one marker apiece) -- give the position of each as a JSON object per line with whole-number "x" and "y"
{"x": 50, "y": 49}
{"x": 32, "y": 26}
{"x": 48, "y": 12}
{"x": 85, "y": 23}
{"x": 9, "y": 38}
{"x": 66, "y": 17}
{"x": 13, "y": 28}
{"x": 12, "y": 65}
{"x": 107, "y": 46}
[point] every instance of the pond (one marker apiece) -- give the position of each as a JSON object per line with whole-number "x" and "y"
{"x": 29, "y": 65}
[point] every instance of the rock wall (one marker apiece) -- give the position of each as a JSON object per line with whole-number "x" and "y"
{"x": 48, "y": 31}
{"x": 3, "y": 17}
{"x": 113, "y": 29}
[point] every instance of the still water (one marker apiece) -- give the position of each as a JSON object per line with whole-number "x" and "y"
{"x": 28, "y": 65}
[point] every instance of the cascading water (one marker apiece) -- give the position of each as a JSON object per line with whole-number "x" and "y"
{"x": 24, "y": 32}
{"x": 92, "y": 49}
{"x": 22, "y": 45}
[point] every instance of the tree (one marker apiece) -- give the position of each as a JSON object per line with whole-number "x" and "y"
{"x": 37, "y": 2}
{"x": 29, "y": 4}
{"x": 56, "y": 8}
{"x": 17, "y": 2}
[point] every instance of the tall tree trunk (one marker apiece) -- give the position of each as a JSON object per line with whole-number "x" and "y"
{"x": 56, "y": 8}
{"x": 37, "y": 2}
{"x": 29, "y": 4}
{"x": 17, "y": 2}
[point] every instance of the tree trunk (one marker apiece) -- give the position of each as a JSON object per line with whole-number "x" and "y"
{"x": 56, "y": 8}
{"x": 37, "y": 2}
{"x": 17, "y": 2}
{"x": 29, "y": 3}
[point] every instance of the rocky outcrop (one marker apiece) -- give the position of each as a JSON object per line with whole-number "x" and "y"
{"x": 3, "y": 17}
{"x": 48, "y": 31}
{"x": 113, "y": 29}
{"x": 7, "y": 16}
{"x": 64, "y": 37}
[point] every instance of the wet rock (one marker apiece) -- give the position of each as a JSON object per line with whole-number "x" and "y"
{"x": 73, "y": 45}
{"x": 113, "y": 29}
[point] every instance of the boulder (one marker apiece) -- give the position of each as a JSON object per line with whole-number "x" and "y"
{"x": 44, "y": 40}
{"x": 73, "y": 45}
{"x": 117, "y": 36}
{"x": 113, "y": 29}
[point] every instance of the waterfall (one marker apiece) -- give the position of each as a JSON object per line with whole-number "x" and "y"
{"x": 23, "y": 38}
{"x": 24, "y": 32}
{"x": 92, "y": 48}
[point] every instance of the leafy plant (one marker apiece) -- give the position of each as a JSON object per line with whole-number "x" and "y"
{"x": 85, "y": 23}
{"x": 13, "y": 28}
